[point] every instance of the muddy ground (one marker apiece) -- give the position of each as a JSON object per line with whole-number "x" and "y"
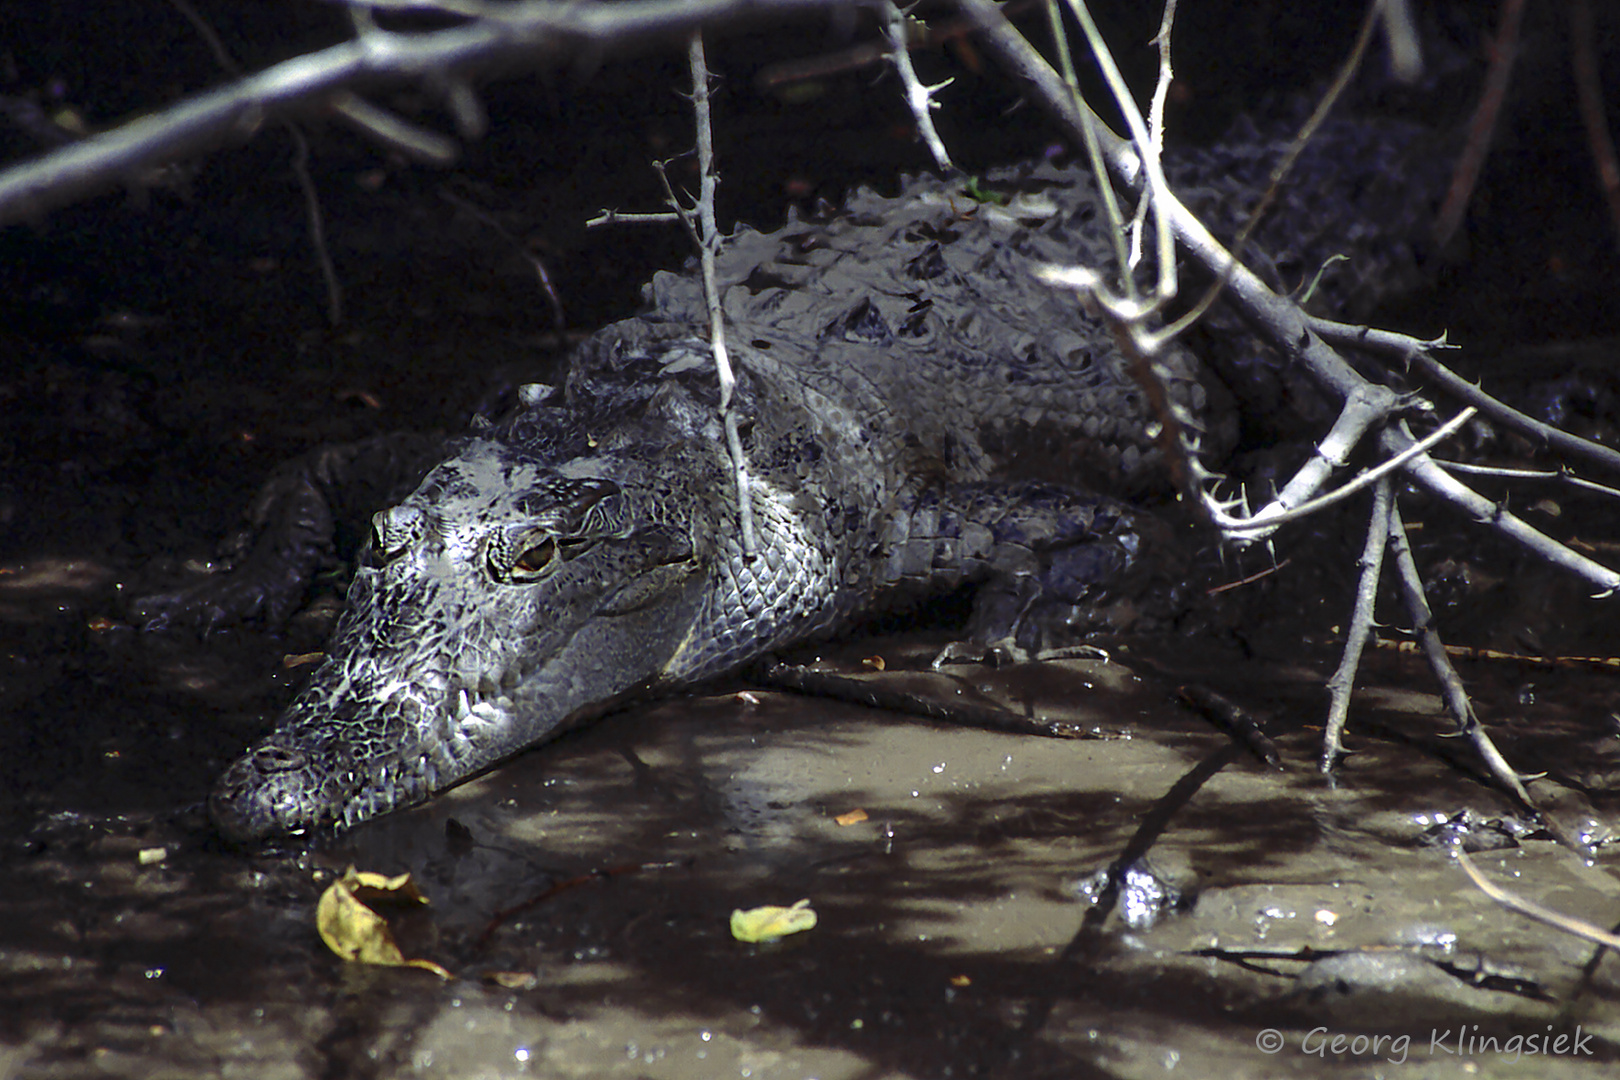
{"x": 165, "y": 348}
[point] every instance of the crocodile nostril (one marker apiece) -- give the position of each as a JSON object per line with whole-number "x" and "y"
{"x": 278, "y": 759}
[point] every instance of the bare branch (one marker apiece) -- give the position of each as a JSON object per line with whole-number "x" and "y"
{"x": 1416, "y": 353}
{"x": 1425, "y": 471}
{"x": 708, "y": 237}
{"x": 510, "y": 37}
{"x": 919, "y": 98}
{"x": 1361, "y": 621}
{"x": 1451, "y": 687}
{"x": 1503, "y": 52}
{"x": 1514, "y": 902}
{"x": 1280, "y": 320}
{"x": 1265, "y": 520}
{"x": 1161, "y": 93}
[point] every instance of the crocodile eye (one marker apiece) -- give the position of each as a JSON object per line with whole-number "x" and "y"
{"x": 535, "y": 561}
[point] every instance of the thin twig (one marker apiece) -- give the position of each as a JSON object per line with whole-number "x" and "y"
{"x": 1284, "y": 166}
{"x": 417, "y": 144}
{"x": 619, "y": 217}
{"x": 1530, "y": 909}
{"x": 1503, "y": 51}
{"x": 1469, "y": 652}
{"x": 684, "y": 214}
{"x": 300, "y": 166}
{"x": 1416, "y": 353}
{"x": 1504, "y": 472}
{"x": 1361, "y": 622}
{"x": 919, "y": 98}
{"x": 559, "y": 319}
{"x": 1113, "y": 215}
{"x": 1131, "y": 313}
{"x": 708, "y": 242}
{"x": 1425, "y": 471}
{"x": 1264, "y": 521}
{"x": 1451, "y": 687}
{"x": 1589, "y": 90}
{"x": 1161, "y": 94}
{"x": 1258, "y": 575}
{"x": 317, "y": 224}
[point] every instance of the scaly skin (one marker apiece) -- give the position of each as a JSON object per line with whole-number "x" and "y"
{"x": 917, "y": 411}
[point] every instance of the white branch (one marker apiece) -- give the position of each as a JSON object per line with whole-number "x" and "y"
{"x": 509, "y": 38}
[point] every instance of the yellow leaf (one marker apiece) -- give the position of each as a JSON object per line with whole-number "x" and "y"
{"x": 353, "y": 929}
{"x": 513, "y": 980}
{"x": 770, "y": 922}
{"x": 852, "y": 817}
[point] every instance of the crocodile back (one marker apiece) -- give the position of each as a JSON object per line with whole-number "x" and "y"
{"x": 916, "y": 326}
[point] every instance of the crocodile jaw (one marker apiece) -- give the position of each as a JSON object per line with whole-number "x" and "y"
{"x": 441, "y": 667}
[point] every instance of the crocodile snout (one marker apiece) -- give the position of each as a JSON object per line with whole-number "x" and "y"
{"x": 272, "y": 789}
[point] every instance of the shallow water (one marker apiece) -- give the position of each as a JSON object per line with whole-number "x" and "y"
{"x": 581, "y": 894}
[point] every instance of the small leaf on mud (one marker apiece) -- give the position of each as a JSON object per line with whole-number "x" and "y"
{"x": 770, "y": 922}
{"x": 513, "y": 980}
{"x": 875, "y": 663}
{"x": 352, "y": 929}
{"x": 852, "y": 817}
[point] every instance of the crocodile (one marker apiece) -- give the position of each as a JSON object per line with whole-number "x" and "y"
{"x": 917, "y": 413}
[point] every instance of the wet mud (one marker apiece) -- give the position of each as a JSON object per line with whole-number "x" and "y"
{"x": 1142, "y": 898}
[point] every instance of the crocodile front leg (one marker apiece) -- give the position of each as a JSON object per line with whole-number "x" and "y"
{"x": 289, "y": 531}
{"x": 1054, "y": 564}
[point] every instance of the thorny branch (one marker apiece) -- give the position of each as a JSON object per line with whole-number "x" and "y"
{"x": 1368, "y": 409}
{"x": 1155, "y": 125}
{"x": 1361, "y": 622}
{"x": 919, "y": 98}
{"x": 700, "y": 224}
{"x": 707, "y": 234}
{"x": 1451, "y": 687}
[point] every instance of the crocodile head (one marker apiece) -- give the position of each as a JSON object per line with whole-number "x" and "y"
{"x": 504, "y": 600}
